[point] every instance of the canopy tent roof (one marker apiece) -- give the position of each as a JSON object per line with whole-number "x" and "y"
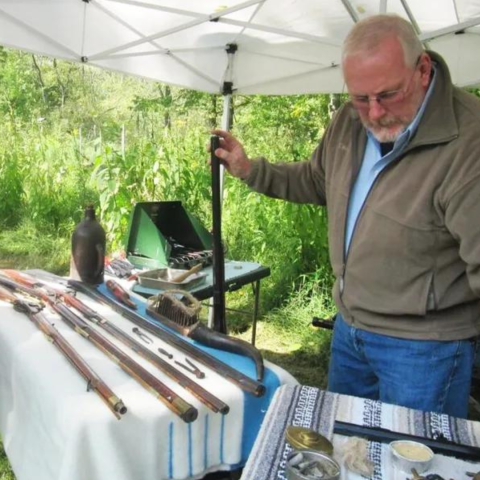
{"x": 252, "y": 46}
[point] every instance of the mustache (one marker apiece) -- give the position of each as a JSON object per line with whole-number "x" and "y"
{"x": 385, "y": 122}
{"x": 381, "y": 128}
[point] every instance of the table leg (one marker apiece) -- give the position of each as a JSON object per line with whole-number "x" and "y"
{"x": 256, "y": 291}
{"x": 210, "y": 312}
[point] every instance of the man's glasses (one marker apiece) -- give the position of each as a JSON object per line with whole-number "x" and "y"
{"x": 385, "y": 99}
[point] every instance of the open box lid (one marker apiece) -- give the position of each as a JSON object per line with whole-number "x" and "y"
{"x": 158, "y": 230}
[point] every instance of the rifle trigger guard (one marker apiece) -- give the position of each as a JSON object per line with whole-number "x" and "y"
{"x": 26, "y": 307}
{"x": 37, "y": 307}
{"x": 20, "y": 307}
{"x": 54, "y": 296}
{"x": 71, "y": 291}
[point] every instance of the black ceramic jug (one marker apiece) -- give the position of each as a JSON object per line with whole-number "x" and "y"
{"x": 88, "y": 250}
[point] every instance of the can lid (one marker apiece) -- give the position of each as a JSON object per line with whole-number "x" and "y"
{"x": 301, "y": 438}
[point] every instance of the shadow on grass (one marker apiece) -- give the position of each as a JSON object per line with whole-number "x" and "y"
{"x": 25, "y": 262}
{"x": 308, "y": 364}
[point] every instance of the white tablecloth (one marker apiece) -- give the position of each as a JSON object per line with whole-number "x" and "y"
{"x": 53, "y": 429}
{"x": 312, "y": 408}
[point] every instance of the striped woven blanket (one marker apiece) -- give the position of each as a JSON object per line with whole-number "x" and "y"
{"x": 316, "y": 409}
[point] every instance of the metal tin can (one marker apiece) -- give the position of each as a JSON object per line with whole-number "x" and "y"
{"x": 304, "y": 438}
{"x": 311, "y": 465}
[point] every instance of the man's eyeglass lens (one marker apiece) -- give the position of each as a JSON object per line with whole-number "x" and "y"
{"x": 385, "y": 99}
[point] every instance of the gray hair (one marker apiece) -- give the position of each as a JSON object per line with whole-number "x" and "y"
{"x": 368, "y": 34}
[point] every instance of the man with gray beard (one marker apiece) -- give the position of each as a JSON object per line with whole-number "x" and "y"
{"x": 399, "y": 171}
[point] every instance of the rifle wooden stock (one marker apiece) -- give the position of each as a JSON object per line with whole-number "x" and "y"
{"x": 173, "y": 401}
{"x": 94, "y": 381}
{"x": 229, "y": 373}
{"x": 207, "y": 398}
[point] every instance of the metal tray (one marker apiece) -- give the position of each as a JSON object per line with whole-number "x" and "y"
{"x": 161, "y": 279}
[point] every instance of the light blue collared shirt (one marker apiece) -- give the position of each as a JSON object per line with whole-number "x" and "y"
{"x": 373, "y": 163}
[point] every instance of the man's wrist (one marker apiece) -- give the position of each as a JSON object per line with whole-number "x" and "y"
{"x": 247, "y": 170}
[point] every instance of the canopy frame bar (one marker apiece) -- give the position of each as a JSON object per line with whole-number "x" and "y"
{"x": 190, "y": 13}
{"x": 288, "y": 77}
{"x": 202, "y": 18}
{"x": 199, "y": 19}
{"x": 473, "y": 22}
{"x": 280, "y": 31}
{"x": 160, "y": 49}
{"x": 351, "y": 11}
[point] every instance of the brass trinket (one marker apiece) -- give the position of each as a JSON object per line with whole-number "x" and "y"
{"x": 304, "y": 438}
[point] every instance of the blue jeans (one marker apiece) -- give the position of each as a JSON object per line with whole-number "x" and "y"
{"x": 426, "y": 375}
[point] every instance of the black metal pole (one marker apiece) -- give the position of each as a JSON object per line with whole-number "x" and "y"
{"x": 219, "y": 321}
{"x": 377, "y": 434}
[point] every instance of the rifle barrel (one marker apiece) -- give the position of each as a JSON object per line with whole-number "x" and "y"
{"x": 173, "y": 401}
{"x": 207, "y": 398}
{"x": 94, "y": 381}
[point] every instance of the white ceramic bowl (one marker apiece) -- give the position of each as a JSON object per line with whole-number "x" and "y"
{"x": 407, "y": 455}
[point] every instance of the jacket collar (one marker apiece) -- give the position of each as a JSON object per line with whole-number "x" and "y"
{"x": 439, "y": 123}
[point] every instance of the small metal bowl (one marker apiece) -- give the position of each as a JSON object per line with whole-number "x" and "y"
{"x": 326, "y": 464}
{"x": 162, "y": 279}
{"x": 407, "y": 455}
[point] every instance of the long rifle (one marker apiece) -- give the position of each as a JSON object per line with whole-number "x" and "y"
{"x": 229, "y": 373}
{"x": 174, "y": 402}
{"x": 95, "y": 383}
{"x": 199, "y": 392}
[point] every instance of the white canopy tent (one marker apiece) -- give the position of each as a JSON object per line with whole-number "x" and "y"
{"x": 242, "y": 46}
{"x": 231, "y": 46}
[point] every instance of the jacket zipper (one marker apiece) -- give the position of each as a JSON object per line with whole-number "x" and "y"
{"x": 353, "y": 179}
{"x": 345, "y": 251}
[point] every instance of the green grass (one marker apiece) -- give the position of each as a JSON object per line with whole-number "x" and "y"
{"x": 26, "y": 247}
{"x": 285, "y": 335}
